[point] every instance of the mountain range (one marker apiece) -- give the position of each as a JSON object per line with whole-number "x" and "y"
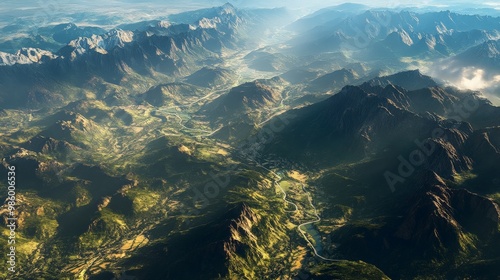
{"x": 230, "y": 143}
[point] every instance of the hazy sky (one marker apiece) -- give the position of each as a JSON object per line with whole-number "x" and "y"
{"x": 132, "y": 10}
{"x": 246, "y": 3}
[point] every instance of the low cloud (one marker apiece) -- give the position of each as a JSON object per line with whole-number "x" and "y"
{"x": 469, "y": 78}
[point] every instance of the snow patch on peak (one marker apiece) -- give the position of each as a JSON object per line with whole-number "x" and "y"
{"x": 117, "y": 38}
{"x": 84, "y": 44}
{"x": 405, "y": 37}
{"x": 163, "y": 24}
{"x": 69, "y": 26}
{"x": 26, "y": 56}
{"x": 209, "y": 23}
{"x": 442, "y": 29}
{"x": 35, "y": 55}
{"x": 102, "y": 43}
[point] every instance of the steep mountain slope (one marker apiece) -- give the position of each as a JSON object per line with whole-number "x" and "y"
{"x": 97, "y": 43}
{"x": 441, "y": 44}
{"x": 485, "y": 116}
{"x": 484, "y": 56}
{"x": 242, "y": 101}
{"x": 410, "y": 80}
{"x": 297, "y": 76}
{"x": 441, "y": 224}
{"x": 351, "y": 124}
{"x": 408, "y": 184}
{"x": 334, "y": 81}
{"x": 172, "y": 94}
{"x": 77, "y": 130}
{"x": 66, "y": 32}
{"x": 210, "y": 77}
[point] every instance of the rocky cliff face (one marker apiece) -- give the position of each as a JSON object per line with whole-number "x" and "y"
{"x": 76, "y": 130}
{"x": 241, "y": 231}
{"x": 351, "y": 124}
{"x": 50, "y": 145}
{"x": 432, "y": 223}
{"x": 441, "y": 219}
{"x": 485, "y": 56}
{"x": 446, "y": 160}
{"x": 410, "y": 80}
{"x": 240, "y": 244}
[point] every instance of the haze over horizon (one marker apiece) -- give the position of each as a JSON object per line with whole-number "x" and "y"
{"x": 307, "y": 6}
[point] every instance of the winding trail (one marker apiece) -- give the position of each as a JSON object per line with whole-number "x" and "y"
{"x": 318, "y": 218}
{"x": 303, "y": 232}
{"x": 284, "y": 198}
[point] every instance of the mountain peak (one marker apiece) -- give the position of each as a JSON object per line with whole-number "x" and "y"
{"x": 26, "y": 56}
{"x": 35, "y": 54}
{"x": 228, "y": 5}
{"x": 228, "y": 9}
{"x": 409, "y": 80}
{"x": 334, "y": 80}
{"x": 491, "y": 48}
{"x": 65, "y": 26}
{"x": 400, "y": 37}
{"x": 98, "y": 43}
{"x": 350, "y": 6}
{"x": 414, "y": 72}
{"x": 485, "y": 56}
{"x": 248, "y": 96}
{"x": 163, "y": 24}
{"x": 352, "y": 91}
{"x": 210, "y": 76}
